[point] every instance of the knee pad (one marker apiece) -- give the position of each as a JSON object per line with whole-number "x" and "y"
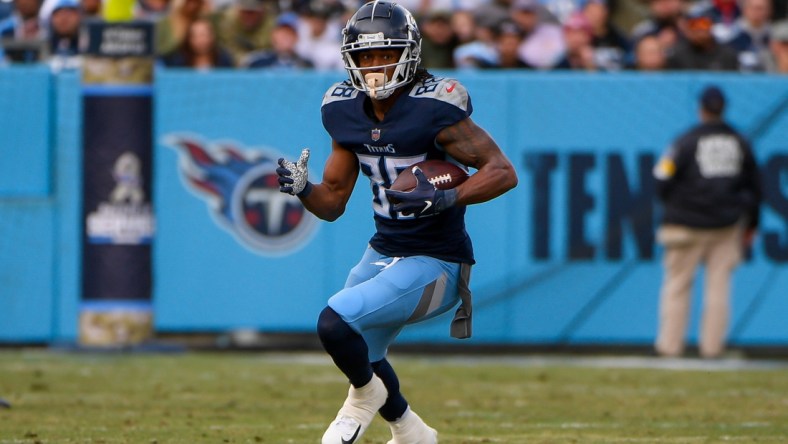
{"x": 331, "y": 328}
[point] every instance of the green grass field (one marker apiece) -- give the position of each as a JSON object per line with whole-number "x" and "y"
{"x": 290, "y": 398}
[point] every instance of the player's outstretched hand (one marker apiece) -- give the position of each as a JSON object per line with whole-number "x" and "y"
{"x": 424, "y": 199}
{"x": 293, "y": 177}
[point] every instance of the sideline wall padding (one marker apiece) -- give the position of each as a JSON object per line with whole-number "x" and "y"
{"x": 566, "y": 258}
{"x": 25, "y": 145}
{"x": 593, "y": 139}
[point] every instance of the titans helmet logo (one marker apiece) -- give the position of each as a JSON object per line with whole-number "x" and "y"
{"x": 242, "y": 190}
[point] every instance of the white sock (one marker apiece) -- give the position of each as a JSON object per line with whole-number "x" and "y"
{"x": 411, "y": 429}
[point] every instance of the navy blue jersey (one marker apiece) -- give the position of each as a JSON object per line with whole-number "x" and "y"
{"x": 385, "y": 148}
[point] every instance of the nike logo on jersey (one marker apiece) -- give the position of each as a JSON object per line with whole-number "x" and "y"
{"x": 352, "y": 438}
{"x": 450, "y": 88}
{"x": 427, "y": 206}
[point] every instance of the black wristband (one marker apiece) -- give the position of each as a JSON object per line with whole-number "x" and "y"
{"x": 305, "y": 192}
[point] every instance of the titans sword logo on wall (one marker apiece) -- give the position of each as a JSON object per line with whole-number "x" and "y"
{"x": 242, "y": 191}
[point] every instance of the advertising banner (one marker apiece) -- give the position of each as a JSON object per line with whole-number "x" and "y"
{"x": 117, "y": 166}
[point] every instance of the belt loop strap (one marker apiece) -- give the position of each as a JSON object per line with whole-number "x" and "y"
{"x": 461, "y": 324}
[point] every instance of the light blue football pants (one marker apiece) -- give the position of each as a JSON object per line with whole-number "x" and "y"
{"x": 383, "y": 294}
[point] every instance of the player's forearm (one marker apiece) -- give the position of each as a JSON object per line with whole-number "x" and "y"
{"x": 492, "y": 180}
{"x": 323, "y": 203}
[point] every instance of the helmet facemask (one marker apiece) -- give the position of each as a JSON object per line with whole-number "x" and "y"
{"x": 377, "y": 84}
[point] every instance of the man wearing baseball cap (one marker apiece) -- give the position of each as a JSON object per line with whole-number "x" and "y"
{"x": 708, "y": 184}
{"x": 64, "y": 25}
{"x": 698, "y": 50}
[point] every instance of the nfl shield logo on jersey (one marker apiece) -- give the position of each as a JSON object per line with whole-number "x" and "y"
{"x": 376, "y": 134}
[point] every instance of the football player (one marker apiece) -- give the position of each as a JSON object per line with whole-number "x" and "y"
{"x": 387, "y": 116}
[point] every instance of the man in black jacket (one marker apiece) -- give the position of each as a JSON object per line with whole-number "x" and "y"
{"x": 710, "y": 190}
{"x": 697, "y": 49}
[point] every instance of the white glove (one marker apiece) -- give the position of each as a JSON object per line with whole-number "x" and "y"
{"x": 293, "y": 177}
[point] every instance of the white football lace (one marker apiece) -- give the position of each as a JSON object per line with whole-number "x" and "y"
{"x": 443, "y": 178}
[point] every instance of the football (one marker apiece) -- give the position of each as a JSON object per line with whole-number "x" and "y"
{"x": 444, "y": 175}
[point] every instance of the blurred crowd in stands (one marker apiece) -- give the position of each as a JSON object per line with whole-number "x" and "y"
{"x": 590, "y": 35}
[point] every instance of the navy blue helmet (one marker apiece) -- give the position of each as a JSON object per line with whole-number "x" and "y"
{"x": 382, "y": 25}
